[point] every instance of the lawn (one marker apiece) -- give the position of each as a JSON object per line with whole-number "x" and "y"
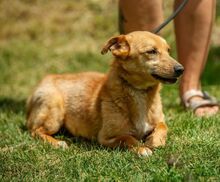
{"x": 40, "y": 37}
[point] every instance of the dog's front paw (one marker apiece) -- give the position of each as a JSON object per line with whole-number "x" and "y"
{"x": 143, "y": 151}
{"x": 154, "y": 142}
{"x": 62, "y": 144}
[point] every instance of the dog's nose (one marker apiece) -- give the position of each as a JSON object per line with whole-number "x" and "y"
{"x": 178, "y": 69}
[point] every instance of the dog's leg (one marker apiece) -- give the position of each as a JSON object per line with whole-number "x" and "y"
{"x": 126, "y": 141}
{"x": 46, "y": 118}
{"x": 158, "y": 136}
{"x": 42, "y": 133}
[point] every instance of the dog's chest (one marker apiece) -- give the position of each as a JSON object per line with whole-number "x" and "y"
{"x": 140, "y": 119}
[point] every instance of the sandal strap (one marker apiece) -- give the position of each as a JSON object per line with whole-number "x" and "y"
{"x": 208, "y": 100}
{"x": 196, "y": 104}
{"x": 189, "y": 94}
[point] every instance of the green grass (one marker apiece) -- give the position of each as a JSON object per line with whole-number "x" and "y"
{"x": 45, "y": 37}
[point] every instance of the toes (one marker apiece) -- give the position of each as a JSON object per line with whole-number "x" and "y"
{"x": 199, "y": 112}
{"x": 216, "y": 108}
{"x": 206, "y": 111}
{"x": 62, "y": 144}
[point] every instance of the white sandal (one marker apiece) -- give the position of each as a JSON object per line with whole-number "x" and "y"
{"x": 194, "y": 104}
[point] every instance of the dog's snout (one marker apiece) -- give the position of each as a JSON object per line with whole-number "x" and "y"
{"x": 178, "y": 69}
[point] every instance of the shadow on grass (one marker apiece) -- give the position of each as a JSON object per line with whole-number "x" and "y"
{"x": 84, "y": 144}
{"x": 9, "y": 105}
{"x": 12, "y": 105}
{"x": 212, "y": 69}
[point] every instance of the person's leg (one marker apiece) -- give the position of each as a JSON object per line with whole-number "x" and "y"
{"x": 193, "y": 29}
{"x": 140, "y": 15}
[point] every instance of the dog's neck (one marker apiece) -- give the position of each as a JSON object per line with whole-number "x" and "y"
{"x": 118, "y": 85}
{"x": 131, "y": 98}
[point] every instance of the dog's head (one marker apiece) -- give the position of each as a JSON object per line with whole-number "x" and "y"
{"x": 144, "y": 58}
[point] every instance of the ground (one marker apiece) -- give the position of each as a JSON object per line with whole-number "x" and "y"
{"x": 40, "y": 37}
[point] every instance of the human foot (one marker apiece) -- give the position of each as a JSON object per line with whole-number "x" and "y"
{"x": 200, "y": 103}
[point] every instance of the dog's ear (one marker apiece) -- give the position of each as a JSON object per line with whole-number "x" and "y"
{"x": 119, "y": 47}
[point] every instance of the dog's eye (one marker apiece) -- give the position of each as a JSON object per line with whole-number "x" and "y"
{"x": 152, "y": 51}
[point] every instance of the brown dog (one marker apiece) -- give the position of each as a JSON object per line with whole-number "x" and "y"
{"x": 121, "y": 108}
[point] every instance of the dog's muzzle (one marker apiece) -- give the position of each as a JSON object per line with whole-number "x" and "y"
{"x": 177, "y": 71}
